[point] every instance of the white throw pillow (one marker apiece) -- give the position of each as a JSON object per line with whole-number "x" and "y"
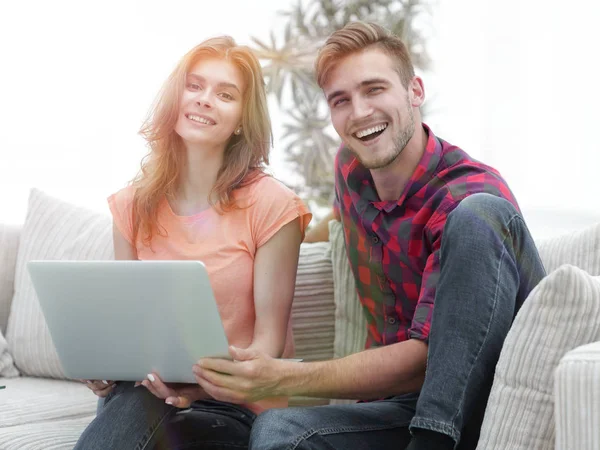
{"x": 580, "y": 248}
{"x": 560, "y": 314}
{"x": 53, "y": 229}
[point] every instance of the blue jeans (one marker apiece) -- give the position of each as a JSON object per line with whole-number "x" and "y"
{"x": 488, "y": 266}
{"x": 134, "y": 419}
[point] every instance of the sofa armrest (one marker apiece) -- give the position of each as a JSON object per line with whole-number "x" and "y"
{"x": 577, "y": 399}
{"x": 9, "y": 244}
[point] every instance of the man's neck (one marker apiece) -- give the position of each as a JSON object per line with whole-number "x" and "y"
{"x": 391, "y": 181}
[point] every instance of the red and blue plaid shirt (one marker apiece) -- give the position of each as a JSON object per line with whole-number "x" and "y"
{"x": 394, "y": 247}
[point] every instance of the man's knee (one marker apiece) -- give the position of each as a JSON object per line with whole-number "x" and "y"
{"x": 479, "y": 210}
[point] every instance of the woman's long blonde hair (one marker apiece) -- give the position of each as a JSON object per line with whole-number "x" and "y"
{"x": 245, "y": 156}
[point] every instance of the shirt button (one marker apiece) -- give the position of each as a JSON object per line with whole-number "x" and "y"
{"x": 375, "y": 239}
{"x": 391, "y": 320}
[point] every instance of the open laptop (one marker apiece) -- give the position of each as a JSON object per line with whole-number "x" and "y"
{"x": 120, "y": 320}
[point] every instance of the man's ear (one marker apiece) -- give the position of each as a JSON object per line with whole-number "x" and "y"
{"x": 416, "y": 92}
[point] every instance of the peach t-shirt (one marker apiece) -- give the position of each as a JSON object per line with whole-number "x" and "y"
{"x": 226, "y": 243}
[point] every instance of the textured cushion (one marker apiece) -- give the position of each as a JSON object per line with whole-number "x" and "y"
{"x": 577, "y": 397}
{"x": 9, "y": 243}
{"x": 53, "y": 229}
{"x": 41, "y": 413}
{"x": 580, "y": 249}
{"x": 54, "y": 435}
{"x": 560, "y": 314}
{"x": 350, "y": 322}
{"x": 313, "y": 310}
{"x": 32, "y": 400}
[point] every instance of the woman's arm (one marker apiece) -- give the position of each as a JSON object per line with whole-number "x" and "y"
{"x": 275, "y": 266}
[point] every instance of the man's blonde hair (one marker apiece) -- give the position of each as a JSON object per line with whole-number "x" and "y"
{"x": 356, "y": 37}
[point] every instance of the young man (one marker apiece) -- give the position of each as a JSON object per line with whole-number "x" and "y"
{"x": 424, "y": 223}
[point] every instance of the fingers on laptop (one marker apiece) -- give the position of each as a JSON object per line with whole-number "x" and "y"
{"x": 155, "y": 385}
{"x": 99, "y": 387}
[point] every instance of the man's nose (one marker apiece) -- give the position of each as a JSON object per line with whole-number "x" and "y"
{"x": 361, "y": 108}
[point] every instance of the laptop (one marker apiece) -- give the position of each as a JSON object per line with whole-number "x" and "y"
{"x": 120, "y": 320}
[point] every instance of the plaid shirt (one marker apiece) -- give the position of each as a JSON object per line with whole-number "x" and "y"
{"x": 394, "y": 247}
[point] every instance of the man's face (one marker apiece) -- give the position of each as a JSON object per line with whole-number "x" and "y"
{"x": 370, "y": 108}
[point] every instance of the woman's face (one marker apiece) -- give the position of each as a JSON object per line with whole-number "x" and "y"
{"x": 211, "y": 105}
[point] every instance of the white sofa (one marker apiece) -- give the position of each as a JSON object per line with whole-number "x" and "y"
{"x": 546, "y": 393}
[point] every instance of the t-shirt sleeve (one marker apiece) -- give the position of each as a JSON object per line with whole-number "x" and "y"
{"x": 121, "y": 207}
{"x": 275, "y": 205}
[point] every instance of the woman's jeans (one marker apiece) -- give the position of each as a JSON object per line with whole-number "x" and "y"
{"x": 489, "y": 264}
{"x": 132, "y": 418}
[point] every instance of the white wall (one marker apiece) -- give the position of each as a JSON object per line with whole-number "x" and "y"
{"x": 514, "y": 84}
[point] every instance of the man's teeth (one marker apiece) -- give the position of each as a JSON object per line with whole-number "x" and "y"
{"x": 368, "y": 131}
{"x": 200, "y": 119}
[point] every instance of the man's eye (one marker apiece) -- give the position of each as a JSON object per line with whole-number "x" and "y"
{"x": 339, "y": 102}
{"x": 374, "y": 90}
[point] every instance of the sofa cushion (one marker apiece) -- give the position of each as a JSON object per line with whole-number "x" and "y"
{"x": 53, "y": 229}
{"x": 28, "y": 400}
{"x": 580, "y": 248}
{"x": 41, "y": 413}
{"x": 560, "y": 314}
{"x": 55, "y": 435}
{"x": 577, "y": 397}
{"x": 9, "y": 243}
{"x": 350, "y": 322}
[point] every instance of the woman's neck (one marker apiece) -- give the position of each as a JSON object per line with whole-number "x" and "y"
{"x": 196, "y": 181}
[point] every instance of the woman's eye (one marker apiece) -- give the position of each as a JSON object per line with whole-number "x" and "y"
{"x": 226, "y": 96}
{"x": 193, "y": 86}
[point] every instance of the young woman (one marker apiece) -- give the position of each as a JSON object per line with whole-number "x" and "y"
{"x": 202, "y": 194}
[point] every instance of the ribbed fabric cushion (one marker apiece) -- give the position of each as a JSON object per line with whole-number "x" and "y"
{"x": 33, "y": 400}
{"x": 54, "y": 435}
{"x": 577, "y": 397}
{"x": 313, "y": 310}
{"x": 9, "y": 243}
{"x": 560, "y": 314}
{"x": 53, "y": 229}
{"x": 350, "y": 323}
{"x": 580, "y": 249}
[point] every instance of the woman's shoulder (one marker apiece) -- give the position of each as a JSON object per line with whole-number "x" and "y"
{"x": 266, "y": 186}
{"x": 123, "y": 198}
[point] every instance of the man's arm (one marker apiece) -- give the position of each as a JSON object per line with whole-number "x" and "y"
{"x": 377, "y": 373}
{"x": 320, "y": 232}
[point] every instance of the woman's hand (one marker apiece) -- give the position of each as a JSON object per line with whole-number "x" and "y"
{"x": 100, "y": 387}
{"x": 180, "y": 395}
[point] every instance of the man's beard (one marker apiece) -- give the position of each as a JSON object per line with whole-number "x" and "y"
{"x": 399, "y": 143}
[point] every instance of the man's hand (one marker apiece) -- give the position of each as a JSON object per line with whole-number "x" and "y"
{"x": 179, "y": 395}
{"x": 251, "y": 376}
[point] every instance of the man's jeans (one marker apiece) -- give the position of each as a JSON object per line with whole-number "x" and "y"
{"x": 489, "y": 264}
{"x": 134, "y": 419}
